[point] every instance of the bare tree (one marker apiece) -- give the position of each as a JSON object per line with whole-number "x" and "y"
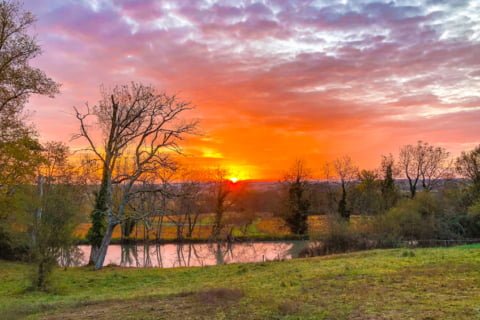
{"x": 423, "y": 163}
{"x": 468, "y": 166}
{"x": 346, "y": 173}
{"x": 188, "y": 203}
{"x": 133, "y": 119}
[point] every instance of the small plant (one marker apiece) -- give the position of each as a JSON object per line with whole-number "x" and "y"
{"x": 408, "y": 253}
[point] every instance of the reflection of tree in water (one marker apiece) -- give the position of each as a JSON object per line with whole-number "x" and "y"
{"x": 221, "y": 250}
{"x": 129, "y": 253}
{"x": 185, "y": 253}
{"x": 158, "y": 254}
{"x": 250, "y": 252}
{"x": 297, "y": 247}
{"x": 188, "y": 254}
{"x": 71, "y": 257}
{"x": 147, "y": 261}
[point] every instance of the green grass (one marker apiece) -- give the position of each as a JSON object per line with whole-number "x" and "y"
{"x": 440, "y": 283}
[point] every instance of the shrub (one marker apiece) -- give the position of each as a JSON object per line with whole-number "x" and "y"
{"x": 411, "y": 219}
{"x": 340, "y": 236}
{"x": 473, "y": 219}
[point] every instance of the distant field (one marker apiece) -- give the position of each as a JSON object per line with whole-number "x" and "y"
{"x": 271, "y": 227}
{"x": 439, "y": 283}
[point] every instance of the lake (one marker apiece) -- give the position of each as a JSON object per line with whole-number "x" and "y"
{"x": 195, "y": 254}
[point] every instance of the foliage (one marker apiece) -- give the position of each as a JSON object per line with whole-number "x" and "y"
{"x": 424, "y": 217}
{"x": 339, "y": 236}
{"x": 346, "y": 172}
{"x": 18, "y": 79}
{"x": 297, "y": 199}
{"x": 473, "y": 219}
{"x": 19, "y": 147}
{"x": 367, "y": 196}
{"x": 390, "y": 193}
{"x": 55, "y": 212}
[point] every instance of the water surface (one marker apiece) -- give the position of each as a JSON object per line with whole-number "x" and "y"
{"x": 195, "y": 255}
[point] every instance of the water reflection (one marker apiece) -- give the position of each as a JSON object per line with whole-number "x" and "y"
{"x": 199, "y": 254}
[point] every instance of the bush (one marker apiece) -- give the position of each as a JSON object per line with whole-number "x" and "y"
{"x": 6, "y": 248}
{"x": 473, "y": 220}
{"x": 411, "y": 219}
{"x": 340, "y": 236}
{"x": 428, "y": 216}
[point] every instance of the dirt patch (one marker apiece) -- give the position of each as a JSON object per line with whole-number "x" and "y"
{"x": 219, "y": 296}
{"x": 189, "y": 305}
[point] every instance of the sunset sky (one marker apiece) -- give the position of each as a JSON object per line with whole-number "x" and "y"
{"x": 274, "y": 80}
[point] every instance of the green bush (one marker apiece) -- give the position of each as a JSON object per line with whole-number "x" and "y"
{"x": 473, "y": 220}
{"x": 340, "y": 236}
{"x": 411, "y": 219}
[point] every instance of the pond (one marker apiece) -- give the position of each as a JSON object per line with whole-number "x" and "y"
{"x": 195, "y": 254}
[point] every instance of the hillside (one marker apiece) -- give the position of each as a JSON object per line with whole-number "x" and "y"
{"x": 440, "y": 283}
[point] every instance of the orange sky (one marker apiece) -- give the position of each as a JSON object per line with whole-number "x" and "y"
{"x": 274, "y": 81}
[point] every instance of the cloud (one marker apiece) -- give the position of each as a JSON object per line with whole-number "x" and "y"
{"x": 274, "y": 79}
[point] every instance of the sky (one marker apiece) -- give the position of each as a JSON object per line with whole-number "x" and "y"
{"x": 274, "y": 80}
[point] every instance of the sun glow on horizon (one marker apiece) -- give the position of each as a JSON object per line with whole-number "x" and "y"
{"x": 237, "y": 172}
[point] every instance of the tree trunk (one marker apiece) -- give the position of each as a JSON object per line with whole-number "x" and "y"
{"x": 102, "y": 251}
{"x": 93, "y": 255}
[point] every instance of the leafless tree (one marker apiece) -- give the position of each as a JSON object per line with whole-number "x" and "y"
{"x": 188, "y": 203}
{"x": 423, "y": 163}
{"x": 137, "y": 121}
{"x": 468, "y": 166}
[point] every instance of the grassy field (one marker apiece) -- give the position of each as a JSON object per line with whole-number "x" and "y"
{"x": 441, "y": 283}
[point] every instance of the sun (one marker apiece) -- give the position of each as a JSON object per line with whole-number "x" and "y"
{"x": 233, "y": 179}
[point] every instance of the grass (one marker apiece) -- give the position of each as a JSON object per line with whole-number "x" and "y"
{"x": 438, "y": 283}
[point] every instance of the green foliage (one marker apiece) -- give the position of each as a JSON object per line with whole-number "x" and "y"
{"x": 298, "y": 206}
{"x": 55, "y": 209}
{"x": 340, "y": 236}
{"x": 16, "y": 223}
{"x": 408, "y": 254}
{"x": 97, "y": 218}
{"x": 62, "y": 206}
{"x": 297, "y": 198}
{"x": 18, "y": 79}
{"x": 20, "y": 157}
{"x": 367, "y": 197}
{"x": 342, "y": 206}
{"x": 390, "y": 194}
{"x": 20, "y": 154}
{"x": 473, "y": 219}
{"x": 424, "y": 217}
